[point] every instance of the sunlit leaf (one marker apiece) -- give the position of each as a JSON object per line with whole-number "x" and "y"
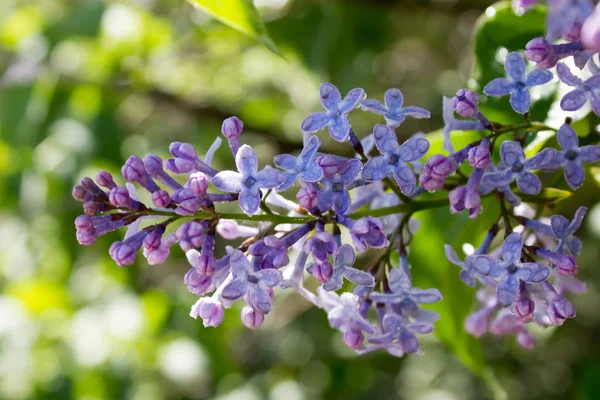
{"x": 241, "y": 16}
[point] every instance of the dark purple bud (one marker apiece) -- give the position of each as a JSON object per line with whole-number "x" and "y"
{"x": 122, "y": 253}
{"x": 207, "y": 264}
{"x": 307, "y": 197}
{"x": 133, "y": 170}
{"x": 558, "y": 308}
{"x": 465, "y": 103}
{"x": 80, "y": 193}
{"x": 252, "y": 318}
{"x": 94, "y": 207}
{"x": 105, "y": 179}
{"x": 191, "y": 235}
{"x": 232, "y": 127}
{"x": 83, "y": 223}
{"x": 152, "y": 240}
{"x": 161, "y": 198}
{"x": 330, "y": 164}
{"x": 567, "y": 265}
{"x": 524, "y": 306}
{"x": 354, "y": 339}
{"x": 119, "y": 197}
{"x": 479, "y": 156}
{"x": 537, "y": 49}
{"x": 457, "y": 199}
{"x": 196, "y": 282}
{"x": 188, "y": 203}
{"x": 86, "y": 238}
{"x": 198, "y": 184}
{"x": 322, "y": 271}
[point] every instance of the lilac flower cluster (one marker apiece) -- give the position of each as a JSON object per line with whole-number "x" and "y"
{"x": 348, "y": 205}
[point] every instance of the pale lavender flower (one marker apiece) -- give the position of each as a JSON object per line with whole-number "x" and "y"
{"x": 399, "y": 330}
{"x": 344, "y": 259}
{"x": 304, "y": 166}
{"x": 392, "y": 110}
{"x": 210, "y": 310}
{"x": 401, "y": 291}
{"x": 336, "y": 116}
{"x": 517, "y": 83}
{"x": 564, "y": 231}
{"x": 584, "y": 90}
{"x": 335, "y": 193}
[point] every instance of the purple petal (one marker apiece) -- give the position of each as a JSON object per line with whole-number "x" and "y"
{"x": 228, "y": 181}
{"x": 260, "y": 299}
{"x": 533, "y": 272}
{"x": 515, "y": 66}
{"x": 325, "y": 199}
{"x": 589, "y": 153}
{"x": 595, "y": 102}
{"x": 540, "y": 160}
{"x": 375, "y": 169}
{"x": 285, "y": 161}
{"x": 405, "y": 177}
{"x": 270, "y": 277}
{"x": 520, "y": 100}
{"x": 538, "y": 77}
{"x": 529, "y": 183}
{"x": 336, "y": 281}
{"x": 415, "y": 112}
{"x": 500, "y": 179}
{"x": 393, "y": 99}
{"x": 312, "y": 172}
{"x": 566, "y": 76}
{"x": 427, "y": 296}
{"x": 249, "y": 200}
{"x": 451, "y": 256}
{"x": 330, "y": 96}
{"x": 345, "y": 256}
{"x": 246, "y": 160}
{"x": 339, "y": 129}
{"x": 507, "y": 289}
{"x": 385, "y": 139}
{"x": 240, "y": 266}
{"x": 511, "y": 248}
{"x": 269, "y": 177}
{"x": 578, "y": 219}
{"x": 352, "y": 100}
{"x": 310, "y": 148}
{"x": 512, "y": 153}
{"x": 560, "y": 225}
{"x": 574, "y": 174}
{"x": 498, "y": 87}
{"x": 349, "y": 170}
{"x": 315, "y": 122}
{"x": 573, "y": 100}
{"x": 487, "y": 265}
{"x": 359, "y": 277}
{"x": 399, "y": 280}
{"x": 342, "y": 202}
{"x": 235, "y": 290}
{"x": 413, "y": 149}
{"x": 374, "y": 106}
{"x": 420, "y": 327}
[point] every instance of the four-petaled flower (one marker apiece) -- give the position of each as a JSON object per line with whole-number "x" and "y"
{"x": 517, "y": 83}
{"x": 396, "y": 329}
{"x": 572, "y": 156}
{"x": 563, "y": 231}
{"x": 344, "y": 259}
{"x": 249, "y": 180}
{"x": 392, "y": 110}
{"x": 395, "y": 158}
{"x": 510, "y": 270}
{"x": 343, "y": 312}
{"x": 584, "y": 91}
{"x": 336, "y": 116}
{"x": 303, "y": 166}
{"x": 254, "y": 283}
{"x": 335, "y": 193}
{"x": 468, "y": 273}
{"x": 516, "y": 166}
{"x": 401, "y": 291}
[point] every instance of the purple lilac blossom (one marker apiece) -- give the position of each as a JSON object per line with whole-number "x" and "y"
{"x": 584, "y": 91}
{"x": 304, "y": 166}
{"x": 517, "y": 83}
{"x": 392, "y": 110}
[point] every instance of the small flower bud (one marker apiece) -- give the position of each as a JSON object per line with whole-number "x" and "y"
{"x": 567, "y": 265}
{"x": 122, "y": 253}
{"x": 83, "y": 223}
{"x": 322, "y": 271}
{"x": 191, "y": 235}
{"x": 105, "y": 179}
{"x": 161, "y": 198}
{"x": 210, "y": 310}
{"x": 479, "y": 156}
{"x": 232, "y": 128}
{"x": 465, "y": 103}
{"x": 188, "y": 203}
{"x": 524, "y": 308}
{"x": 537, "y": 49}
{"x": 196, "y": 282}
{"x": 354, "y": 339}
{"x": 198, "y": 184}
{"x": 252, "y": 318}
{"x": 134, "y": 170}
{"x": 307, "y": 197}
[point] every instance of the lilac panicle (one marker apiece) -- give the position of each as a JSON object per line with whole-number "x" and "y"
{"x": 248, "y": 180}
{"x": 392, "y": 110}
{"x": 572, "y": 156}
{"x": 336, "y": 116}
{"x": 517, "y": 83}
{"x": 394, "y": 158}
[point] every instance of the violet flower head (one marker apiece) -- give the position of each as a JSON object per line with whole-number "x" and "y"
{"x": 335, "y": 193}
{"x": 392, "y": 110}
{"x": 517, "y": 166}
{"x": 336, "y": 116}
{"x": 248, "y": 180}
{"x": 402, "y": 292}
{"x": 394, "y": 158}
{"x": 248, "y": 282}
{"x": 344, "y": 259}
{"x": 510, "y": 270}
{"x": 304, "y": 166}
{"x": 584, "y": 91}
{"x": 517, "y": 83}
{"x": 564, "y": 231}
{"x": 572, "y": 156}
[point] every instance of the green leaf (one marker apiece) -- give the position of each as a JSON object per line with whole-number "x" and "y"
{"x": 460, "y": 139}
{"x": 547, "y": 196}
{"x": 241, "y": 16}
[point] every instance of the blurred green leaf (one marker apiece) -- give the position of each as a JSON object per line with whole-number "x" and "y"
{"x": 241, "y": 16}
{"x": 547, "y": 196}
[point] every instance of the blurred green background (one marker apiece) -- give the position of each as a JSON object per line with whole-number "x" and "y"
{"x": 85, "y": 83}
